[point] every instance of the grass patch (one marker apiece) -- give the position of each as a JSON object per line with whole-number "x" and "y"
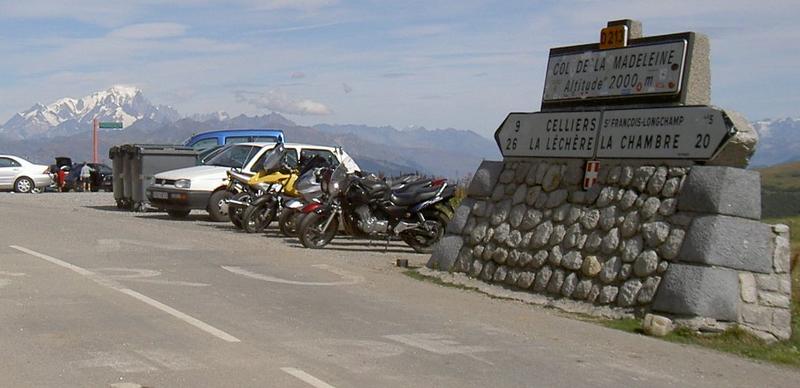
{"x": 628, "y": 324}
{"x": 738, "y": 341}
{"x": 412, "y": 273}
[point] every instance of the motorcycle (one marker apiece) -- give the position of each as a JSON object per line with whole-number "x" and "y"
{"x": 277, "y": 181}
{"x": 309, "y": 189}
{"x": 241, "y": 188}
{"x": 415, "y": 211}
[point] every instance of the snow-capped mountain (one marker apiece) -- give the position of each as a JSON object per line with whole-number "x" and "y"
{"x": 779, "y": 141}
{"x": 119, "y": 103}
{"x": 213, "y": 116}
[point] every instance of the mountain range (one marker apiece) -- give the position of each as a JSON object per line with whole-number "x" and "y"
{"x": 66, "y": 116}
{"x": 63, "y": 128}
{"x": 779, "y": 142}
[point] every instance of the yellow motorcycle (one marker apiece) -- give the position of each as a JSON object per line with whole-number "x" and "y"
{"x": 275, "y": 182}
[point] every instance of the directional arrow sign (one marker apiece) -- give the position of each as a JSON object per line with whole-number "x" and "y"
{"x": 691, "y": 132}
{"x": 110, "y": 125}
{"x": 560, "y": 135}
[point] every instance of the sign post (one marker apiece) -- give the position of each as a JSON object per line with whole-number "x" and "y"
{"x": 97, "y": 124}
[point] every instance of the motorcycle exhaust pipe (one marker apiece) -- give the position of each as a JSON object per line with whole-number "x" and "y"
{"x": 235, "y": 203}
{"x": 404, "y": 226}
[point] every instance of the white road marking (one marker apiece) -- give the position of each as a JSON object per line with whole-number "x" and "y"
{"x": 143, "y": 298}
{"x": 356, "y": 356}
{"x": 436, "y": 343}
{"x": 307, "y": 378}
{"x": 440, "y": 344}
{"x": 350, "y": 278}
{"x": 15, "y": 274}
{"x": 128, "y": 273}
{"x": 170, "y": 282}
{"x": 169, "y": 359}
{"x": 184, "y": 317}
{"x": 53, "y": 260}
{"x": 116, "y": 244}
{"x": 119, "y": 361}
{"x": 126, "y": 385}
{"x": 143, "y": 276}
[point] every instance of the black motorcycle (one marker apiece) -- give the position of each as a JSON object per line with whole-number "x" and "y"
{"x": 416, "y": 211}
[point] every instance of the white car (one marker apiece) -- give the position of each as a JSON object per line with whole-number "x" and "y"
{"x": 204, "y": 187}
{"x": 21, "y": 175}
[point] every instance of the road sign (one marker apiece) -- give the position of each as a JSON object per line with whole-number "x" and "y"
{"x": 614, "y": 37}
{"x": 692, "y": 132}
{"x": 563, "y": 134}
{"x": 633, "y": 71}
{"x": 110, "y": 125}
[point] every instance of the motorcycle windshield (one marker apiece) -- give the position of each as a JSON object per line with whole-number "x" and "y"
{"x": 338, "y": 179}
{"x": 272, "y": 160}
{"x": 307, "y": 181}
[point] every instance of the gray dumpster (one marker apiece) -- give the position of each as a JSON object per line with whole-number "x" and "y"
{"x": 127, "y": 176}
{"x": 117, "y": 164}
{"x": 139, "y": 163}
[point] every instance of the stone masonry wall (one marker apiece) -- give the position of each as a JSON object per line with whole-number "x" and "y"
{"x": 649, "y": 236}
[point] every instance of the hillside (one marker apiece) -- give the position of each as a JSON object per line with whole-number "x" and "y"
{"x": 780, "y": 190}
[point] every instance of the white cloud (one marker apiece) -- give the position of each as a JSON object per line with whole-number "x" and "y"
{"x": 149, "y": 31}
{"x": 279, "y": 101}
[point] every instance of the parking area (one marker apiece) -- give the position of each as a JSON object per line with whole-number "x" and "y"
{"x": 93, "y": 296}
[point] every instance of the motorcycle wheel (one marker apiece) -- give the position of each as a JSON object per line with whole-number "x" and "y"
{"x": 423, "y": 242}
{"x": 288, "y": 222}
{"x": 236, "y": 213}
{"x": 256, "y": 218}
{"x": 310, "y": 230}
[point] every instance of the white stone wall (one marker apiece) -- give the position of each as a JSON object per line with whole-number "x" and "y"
{"x": 676, "y": 239}
{"x": 540, "y": 231}
{"x": 767, "y": 298}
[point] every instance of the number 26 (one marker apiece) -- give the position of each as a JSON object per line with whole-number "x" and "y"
{"x": 511, "y": 144}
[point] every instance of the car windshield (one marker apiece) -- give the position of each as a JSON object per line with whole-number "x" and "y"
{"x": 235, "y": 156}
{"x": 204, "y": 156}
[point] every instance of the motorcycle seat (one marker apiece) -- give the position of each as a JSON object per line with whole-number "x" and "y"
{"x": 374, "y": 186}
{"x": 405, "y": 198}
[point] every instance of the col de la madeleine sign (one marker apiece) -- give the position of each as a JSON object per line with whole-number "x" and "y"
{"x": 610, "y": 103}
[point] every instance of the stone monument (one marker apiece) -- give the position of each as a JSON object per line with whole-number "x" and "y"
{"x": 628, "y": 190}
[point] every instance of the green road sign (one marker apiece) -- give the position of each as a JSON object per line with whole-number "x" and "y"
{"x": 110, "y": 124}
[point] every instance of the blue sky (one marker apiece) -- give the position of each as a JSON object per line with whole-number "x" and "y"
{"x": 437, "y": 64}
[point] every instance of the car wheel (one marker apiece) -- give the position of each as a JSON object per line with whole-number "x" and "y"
{"x": 217, "y": 208}
{"x": 24, "y": 185}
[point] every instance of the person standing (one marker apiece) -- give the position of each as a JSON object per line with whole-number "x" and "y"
{"x": 86, "y": 177}
{"x": 61, "y": 178}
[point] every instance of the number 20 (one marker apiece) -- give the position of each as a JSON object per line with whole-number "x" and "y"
{"x": 703, "y": 141}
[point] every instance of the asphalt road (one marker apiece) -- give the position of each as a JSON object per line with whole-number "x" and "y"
{"x": 94, "y": 297}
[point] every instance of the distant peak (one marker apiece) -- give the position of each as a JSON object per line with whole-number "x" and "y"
{"x": 125, "y": 90}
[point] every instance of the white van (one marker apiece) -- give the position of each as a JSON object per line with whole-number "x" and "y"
{"x": 204, "y": 187}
